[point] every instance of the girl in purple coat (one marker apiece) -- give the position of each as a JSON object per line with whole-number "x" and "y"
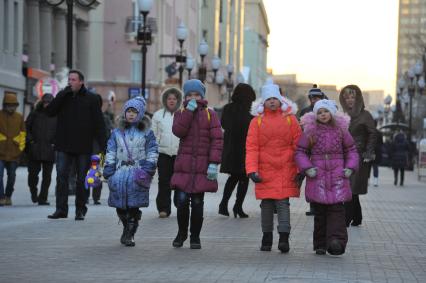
{"x": 327, "y": 154}
{"x": 197, "y": 160}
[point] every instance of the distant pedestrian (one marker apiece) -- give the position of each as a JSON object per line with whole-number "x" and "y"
{"x": 235, "y": 121}
{"x": 315, "y": 94}
{"x": 271, "y": 143}
{"x": 41, "y": 131}
{"x": 364, "y": 133}
{"x": 197, "y": 161}
{"x": 378, "y": 151}
{"x": 79, "y": 124}
{"x": 327, "y": 154}
{"x": 130, "y": 163}
{"x": 168, "y": 143}
{"x": 12, "y": 144}
{"x": 399, "y": 153}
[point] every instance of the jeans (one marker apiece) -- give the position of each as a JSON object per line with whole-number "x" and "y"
{"x": 34, "y": 168}
{"x": 267, "y": 214}
{"x": 375, "y": 170}
{"x": 197, "y": 210}
{"x": 165, "y": 171}
{"x": 63, "y": 166}
{"x": 10, "y": 167}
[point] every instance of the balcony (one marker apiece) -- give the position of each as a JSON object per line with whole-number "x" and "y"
{"x": 133, "y": 24}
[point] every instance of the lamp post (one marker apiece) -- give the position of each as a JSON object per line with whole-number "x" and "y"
{"x": 219, "y": 79}
{"x": 230, "y": 82}
{"x": 70, "y": 11}
{"x": 215, "y": 66}
{"x": 203, "y": 50}
{"x": 181, "y": 34}
{"x": 189, "y": 65}
{"x": 144, "y": 37}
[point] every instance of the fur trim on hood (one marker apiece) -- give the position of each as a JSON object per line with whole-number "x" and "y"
{"x": 359, "y": 101}
{"x": 309, "y": 121}
{"x": 288, "y": 106}
{"x": 143, "y": 124}
{"x": 175, "y": 91}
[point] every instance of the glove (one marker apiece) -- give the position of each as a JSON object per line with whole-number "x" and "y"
{"x": 368, "y": 157}
{"x": 348, "y": 172}
{"x": 212, "y": 172}
{"x": 2, "y": 137}
{"x": 311, "y": 172}
{"x": 192, "y": 105}
{"x": 255, "y": 177}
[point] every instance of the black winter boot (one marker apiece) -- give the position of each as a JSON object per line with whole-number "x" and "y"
{"x": 132, "y": 226}
{"x": 196, "y": 224}
{"x": 183, "y": 223}
{"x": 335, "y": 248}
{"x": 123, "y": 220}
{"x": 283, "y": 244}
{"x": 266, "y": 242}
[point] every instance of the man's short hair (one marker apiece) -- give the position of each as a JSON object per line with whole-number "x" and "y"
{"x": 78, "y": 72}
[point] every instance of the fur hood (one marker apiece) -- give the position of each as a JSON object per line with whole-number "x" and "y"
{"x": 257, "y": 107}
{"x": 175, "y": 91}
{"x": 144, "y": 123}
{"x": 309, "y": 121}
{"x": 359, "y": 101}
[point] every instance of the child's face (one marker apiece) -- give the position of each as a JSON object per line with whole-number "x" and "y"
{"x": 272, "y": 104}
{"x": 323, "y": 116}
{"x": 131, "y": 115}
{"x": 171, "y": 102}
{"x": 193, "y": 95}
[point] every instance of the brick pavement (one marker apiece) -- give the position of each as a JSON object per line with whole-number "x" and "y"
{"x": 390, "y": 246}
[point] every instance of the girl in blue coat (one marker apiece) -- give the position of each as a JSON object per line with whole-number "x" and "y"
{"x": 130, "y": 163}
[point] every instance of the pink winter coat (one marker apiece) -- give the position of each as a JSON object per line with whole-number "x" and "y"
{"x": 200, "y": 144}
{"x": 330, "y": 148}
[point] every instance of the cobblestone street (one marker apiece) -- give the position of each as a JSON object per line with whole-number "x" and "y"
{"x": 390, "y": 246}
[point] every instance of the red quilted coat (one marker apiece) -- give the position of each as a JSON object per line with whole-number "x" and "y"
{"x": 201, "y": 143}
{"x": 271, "y": 143}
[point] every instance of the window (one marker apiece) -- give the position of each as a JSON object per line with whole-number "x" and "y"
{"x": 219, "y": 52}
{"x": 136, "y": 72}
{"x": 15, "y": 28}
{"x": 6, "y": 25}
{"x": 220, "y": 11}
{"x": 204, "y": 34}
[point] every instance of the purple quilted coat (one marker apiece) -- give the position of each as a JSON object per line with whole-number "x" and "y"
{"x": 330, "y": 148}
{"x": 201, "y": 143}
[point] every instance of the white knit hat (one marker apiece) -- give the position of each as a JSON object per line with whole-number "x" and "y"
{"x": 330, "y": 105}
{"x": 271, "y": 90}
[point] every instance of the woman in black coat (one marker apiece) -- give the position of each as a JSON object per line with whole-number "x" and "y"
{"x": 398, "y": 154}
{"x": 235, "y": 121}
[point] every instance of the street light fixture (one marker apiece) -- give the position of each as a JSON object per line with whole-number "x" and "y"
{"x": 181, "y": 34}
{"x": 219, "y": 79}
{"x": 144, "y": 37}
{"x": 203, "y": 50}
{"x": 189, "y": 65}
{"x": 215, "y": 65}
{"x": 70, "y": 8}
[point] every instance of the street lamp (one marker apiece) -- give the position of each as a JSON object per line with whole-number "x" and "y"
{"x": 189, "y": 65}
{"x": 144, "y": 37}
{"x": 219, "y": 79}
{"x": 230, "y": 83}
{"x": 216, "y": 65}
{"x": 203, "y": 50}
{"x": 181, "y": 34}
{"x": 70, "y": 7}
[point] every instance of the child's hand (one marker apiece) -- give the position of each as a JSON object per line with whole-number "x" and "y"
{"x": 311, "y": 172}
{"x": 212, "y": 172}
{"x": 348, "y": 172}
{"x": 192, "y": 105}
{"x": 255, "y": 177}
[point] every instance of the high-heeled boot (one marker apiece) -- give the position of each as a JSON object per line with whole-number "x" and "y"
{"x": 241, "y": 194}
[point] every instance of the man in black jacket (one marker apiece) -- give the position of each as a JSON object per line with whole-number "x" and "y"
{"x": 80, "y": 122}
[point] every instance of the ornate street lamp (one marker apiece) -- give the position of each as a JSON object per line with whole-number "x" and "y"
{"x": 189, "y": 65}
{"x": 181, "y": 34}
{"x": 70, "y": 8}
{"x": 144, "y": 37}
{"x": 219, "y": 79}
{"x": 215, "y": 65}
{"x": 203, "y": 50}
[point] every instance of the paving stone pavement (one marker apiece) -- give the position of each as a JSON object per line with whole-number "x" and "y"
{"x": 390, "y": 246}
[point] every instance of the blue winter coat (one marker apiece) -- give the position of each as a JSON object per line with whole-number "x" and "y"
{"x": 124, "y": 191}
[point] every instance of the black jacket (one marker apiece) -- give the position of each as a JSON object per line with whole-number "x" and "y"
{"x": 399, "y": 151}
{"x": 80, "y": 121}
{"x": 41, "y": 131}
{"x": 305, "y": 110}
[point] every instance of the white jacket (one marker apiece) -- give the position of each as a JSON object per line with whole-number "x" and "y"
{"x": 162, "y": 123}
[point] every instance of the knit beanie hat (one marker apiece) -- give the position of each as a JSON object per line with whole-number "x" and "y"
{"x": 315, "y": 91}
{"x": 271, "y": 90}
{"x": 194, "y": 85}
{"x": 138, "y": 103}
{"x": 330, "y": 105}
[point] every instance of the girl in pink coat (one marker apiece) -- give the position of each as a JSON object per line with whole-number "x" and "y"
{"x": 327, "y": 155}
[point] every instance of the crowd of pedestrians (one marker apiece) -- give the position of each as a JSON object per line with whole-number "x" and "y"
{"x": 262, "y": 141}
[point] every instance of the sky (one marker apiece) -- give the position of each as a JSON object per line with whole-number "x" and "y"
{"x": 335, "y": 42}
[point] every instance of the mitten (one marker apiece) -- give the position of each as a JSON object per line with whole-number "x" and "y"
{"x": 212, "y": 172}
{"x": 348, "y": 172}
{"x": 311, "y": 172}
{"x": 192, "y": 105}
{"x": 255, "y": 177}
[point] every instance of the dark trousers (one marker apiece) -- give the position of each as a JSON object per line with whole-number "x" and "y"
{"x": 375, "y": 170}
{"x": 353, "y": 211}
{"x": 131, "y": 212}
{"x": 234, "y": 179}
{"x": 165, "y": 171}
{"x": 329, "y": 224}
{"x": 34, "y": 168}
{"x": 96, "y": 193}
{"x": 10, "y": 167}
{"x": 63, "y": 166}
{"x": 183, "y": 200}
{"x": 395, "y": 175}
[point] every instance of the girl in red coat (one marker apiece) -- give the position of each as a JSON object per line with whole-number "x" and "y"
{"x": 271, "y": 142}
{"x": 197, "y": 160}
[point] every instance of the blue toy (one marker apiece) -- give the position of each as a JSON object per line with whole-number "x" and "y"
{"x": 93, "y": 178}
